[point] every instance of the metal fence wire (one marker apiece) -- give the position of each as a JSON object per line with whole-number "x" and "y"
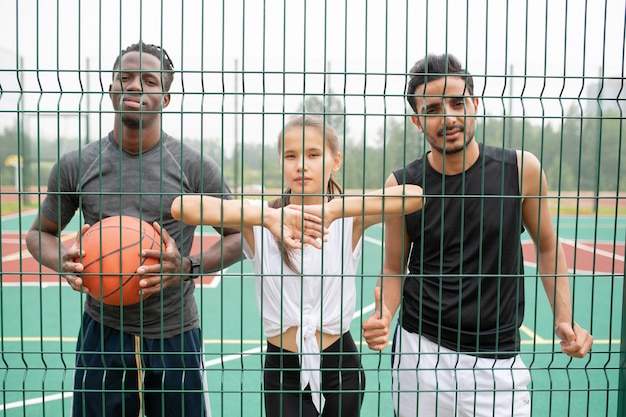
{"x": 350, "y": 208}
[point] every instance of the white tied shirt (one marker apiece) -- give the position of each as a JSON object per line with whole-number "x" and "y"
{"x": 322, "y": 297}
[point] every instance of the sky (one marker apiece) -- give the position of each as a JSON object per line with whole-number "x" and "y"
{"x": 245, "y": 64}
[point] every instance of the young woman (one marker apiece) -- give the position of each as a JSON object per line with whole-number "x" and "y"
{"x": 306, "y": 280}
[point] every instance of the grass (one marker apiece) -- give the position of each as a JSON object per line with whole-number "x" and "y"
{"x": 12, "y": 207}
{"x": 565, "y": 207}
{"x": 572, "y": 208}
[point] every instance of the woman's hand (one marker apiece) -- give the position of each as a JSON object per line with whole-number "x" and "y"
{"x": 296, "y": 228}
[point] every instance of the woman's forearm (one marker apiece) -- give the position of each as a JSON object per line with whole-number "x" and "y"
{"x": 213, "y": 211}
{"x": 399, "y": 199}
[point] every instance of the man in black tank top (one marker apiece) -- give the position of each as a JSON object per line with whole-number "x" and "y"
{"x": 463, "y": 297}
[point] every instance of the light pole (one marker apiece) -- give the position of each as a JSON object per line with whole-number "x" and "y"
{"x": 24, "y": 156}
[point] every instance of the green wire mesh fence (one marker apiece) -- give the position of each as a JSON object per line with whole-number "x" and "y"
{"x": 548, "y": 80}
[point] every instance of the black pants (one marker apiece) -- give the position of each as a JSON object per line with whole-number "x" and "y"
{"x": 343, "y": 382}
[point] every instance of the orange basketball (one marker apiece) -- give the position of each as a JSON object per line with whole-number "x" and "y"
{"x": 112, "y": 253}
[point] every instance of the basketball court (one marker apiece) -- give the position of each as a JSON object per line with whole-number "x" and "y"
{"x": 38, "y": 343}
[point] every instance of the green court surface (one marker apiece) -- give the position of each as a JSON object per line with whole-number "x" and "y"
{"x": 39, "y": 322}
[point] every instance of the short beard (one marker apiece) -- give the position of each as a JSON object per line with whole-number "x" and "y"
{"x": 131, "y": 122}
{"x": 452, "y": 151}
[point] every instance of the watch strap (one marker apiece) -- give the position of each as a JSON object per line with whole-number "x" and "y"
{"x": 194, "y": 272}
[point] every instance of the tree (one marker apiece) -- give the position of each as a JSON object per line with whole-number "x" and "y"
{"x": 329, "y": 107}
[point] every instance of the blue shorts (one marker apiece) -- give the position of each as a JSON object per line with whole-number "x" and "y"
{"x": 118, "y": 374}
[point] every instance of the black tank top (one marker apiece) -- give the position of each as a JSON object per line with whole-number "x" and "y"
{"x": 465, "y": 289}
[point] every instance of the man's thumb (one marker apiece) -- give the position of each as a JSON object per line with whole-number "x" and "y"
{"x": 377, "y": 308}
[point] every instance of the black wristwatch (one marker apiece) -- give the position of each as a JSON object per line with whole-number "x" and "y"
{"x": 194, "y": 272}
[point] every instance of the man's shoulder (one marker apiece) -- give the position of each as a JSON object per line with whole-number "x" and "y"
{"x": 85, "y": 152}
{"x": 187, "y": 158}
{"x": 500, "y": 154}
{"x": 179, "y": 148}
{"x": 410, "y": 172}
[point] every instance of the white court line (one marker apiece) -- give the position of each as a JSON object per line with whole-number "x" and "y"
{"x": 532, "y": 335}
{"x": 14, "y": 241}
{"x": 25, "y": 254}
{"x": 33, "y": 401}
{"x": 234, "y": 356}
{"x": 19, "y": 215}
{"x": 238, "y": 356}
{"x": 591, "y": 249}
{"x": 209, "y": 363}
{"x": 534, "y": 339}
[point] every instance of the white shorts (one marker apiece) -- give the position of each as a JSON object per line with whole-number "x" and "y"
{"x": 429, "y": 380}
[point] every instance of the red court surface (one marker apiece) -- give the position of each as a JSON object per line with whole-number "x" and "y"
{"x": 587, "y": 258}
{"x": 18, "y": 266}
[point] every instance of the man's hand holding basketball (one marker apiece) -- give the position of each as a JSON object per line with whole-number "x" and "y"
{"x": 71, "y": 266}
{"x": 165, "y": 273}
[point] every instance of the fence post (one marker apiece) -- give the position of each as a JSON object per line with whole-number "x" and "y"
{"x": 621, "y": 392}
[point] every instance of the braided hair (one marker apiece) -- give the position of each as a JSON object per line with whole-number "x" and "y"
{"x": 167, "y": 67}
